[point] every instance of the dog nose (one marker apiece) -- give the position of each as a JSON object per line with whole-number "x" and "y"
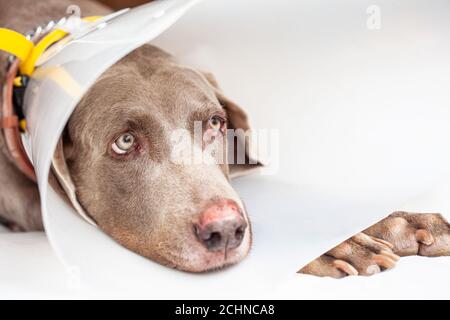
{"x": 221, "y": 226}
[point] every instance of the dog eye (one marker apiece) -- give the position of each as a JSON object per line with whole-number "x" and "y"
{"x": 216, "y": 123}
{"x": 124, "y": 143}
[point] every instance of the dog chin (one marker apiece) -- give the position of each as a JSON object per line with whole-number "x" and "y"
{"x": 214, "y": 262}
{"x": 199, "y": 260}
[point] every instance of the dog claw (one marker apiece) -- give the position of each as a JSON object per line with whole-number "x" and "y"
{"x": 372, "y": 269}
{"x": 383, "y": 242}
{"x": 345, "y": 267}
{"x": 390, "y": 255}
{"x": 384, "y": 261}
{"x": 424, "y": 236}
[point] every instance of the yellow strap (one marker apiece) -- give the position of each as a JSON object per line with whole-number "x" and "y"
{"x": 28, "y": 65}
{"x": 15, "y": 43}
{"x": 24, "y": 49}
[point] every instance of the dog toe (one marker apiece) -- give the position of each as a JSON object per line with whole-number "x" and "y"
{"x": 439, "y": 247}
{"x": 359, "y": 255}
{"x": 345, "y": 267}
{"x": 326, "y": 266}
{"x": 365, "y": 254}
{"x": 414, "y": 234}
{"x": 424, "y": 236}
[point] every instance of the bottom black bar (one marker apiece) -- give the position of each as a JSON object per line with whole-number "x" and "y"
{"x": 248, "y": 309}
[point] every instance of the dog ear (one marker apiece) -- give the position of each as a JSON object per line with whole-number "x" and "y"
{"x": 238, "y": 121}
{"x": 62, "y": 182}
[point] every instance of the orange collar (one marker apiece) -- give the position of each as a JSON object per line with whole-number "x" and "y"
{"x": 9, "y": 125}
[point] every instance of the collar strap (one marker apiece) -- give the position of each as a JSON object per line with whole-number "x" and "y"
{"x": 15, "y": 43}
{"x": 9, "y": 124}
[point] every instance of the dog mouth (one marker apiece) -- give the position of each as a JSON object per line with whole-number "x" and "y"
{"x": 196, "y": 258}
{"x": 215, "y": 262}
{"x": 210, "y": 262}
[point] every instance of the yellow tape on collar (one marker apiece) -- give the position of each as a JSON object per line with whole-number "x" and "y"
{"x": 15, "y": 43}
{"x": 28, "y": 65}
{"x": 25, "y": 50}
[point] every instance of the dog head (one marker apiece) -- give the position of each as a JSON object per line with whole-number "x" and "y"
{"x": 139, "y": 170}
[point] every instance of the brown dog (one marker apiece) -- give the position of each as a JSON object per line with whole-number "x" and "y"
{"x": 184, "y": 216}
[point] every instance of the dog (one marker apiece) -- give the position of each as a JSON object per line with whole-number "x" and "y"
{"x": 186, "y": 217}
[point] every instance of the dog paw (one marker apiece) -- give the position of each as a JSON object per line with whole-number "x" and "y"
{"x": 414, "y": 234}
{"x": 360, "y": 255}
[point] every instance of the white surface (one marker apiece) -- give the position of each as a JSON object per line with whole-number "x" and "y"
{"x": 362, "y": 118}
{"x": 30, "y": 269}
